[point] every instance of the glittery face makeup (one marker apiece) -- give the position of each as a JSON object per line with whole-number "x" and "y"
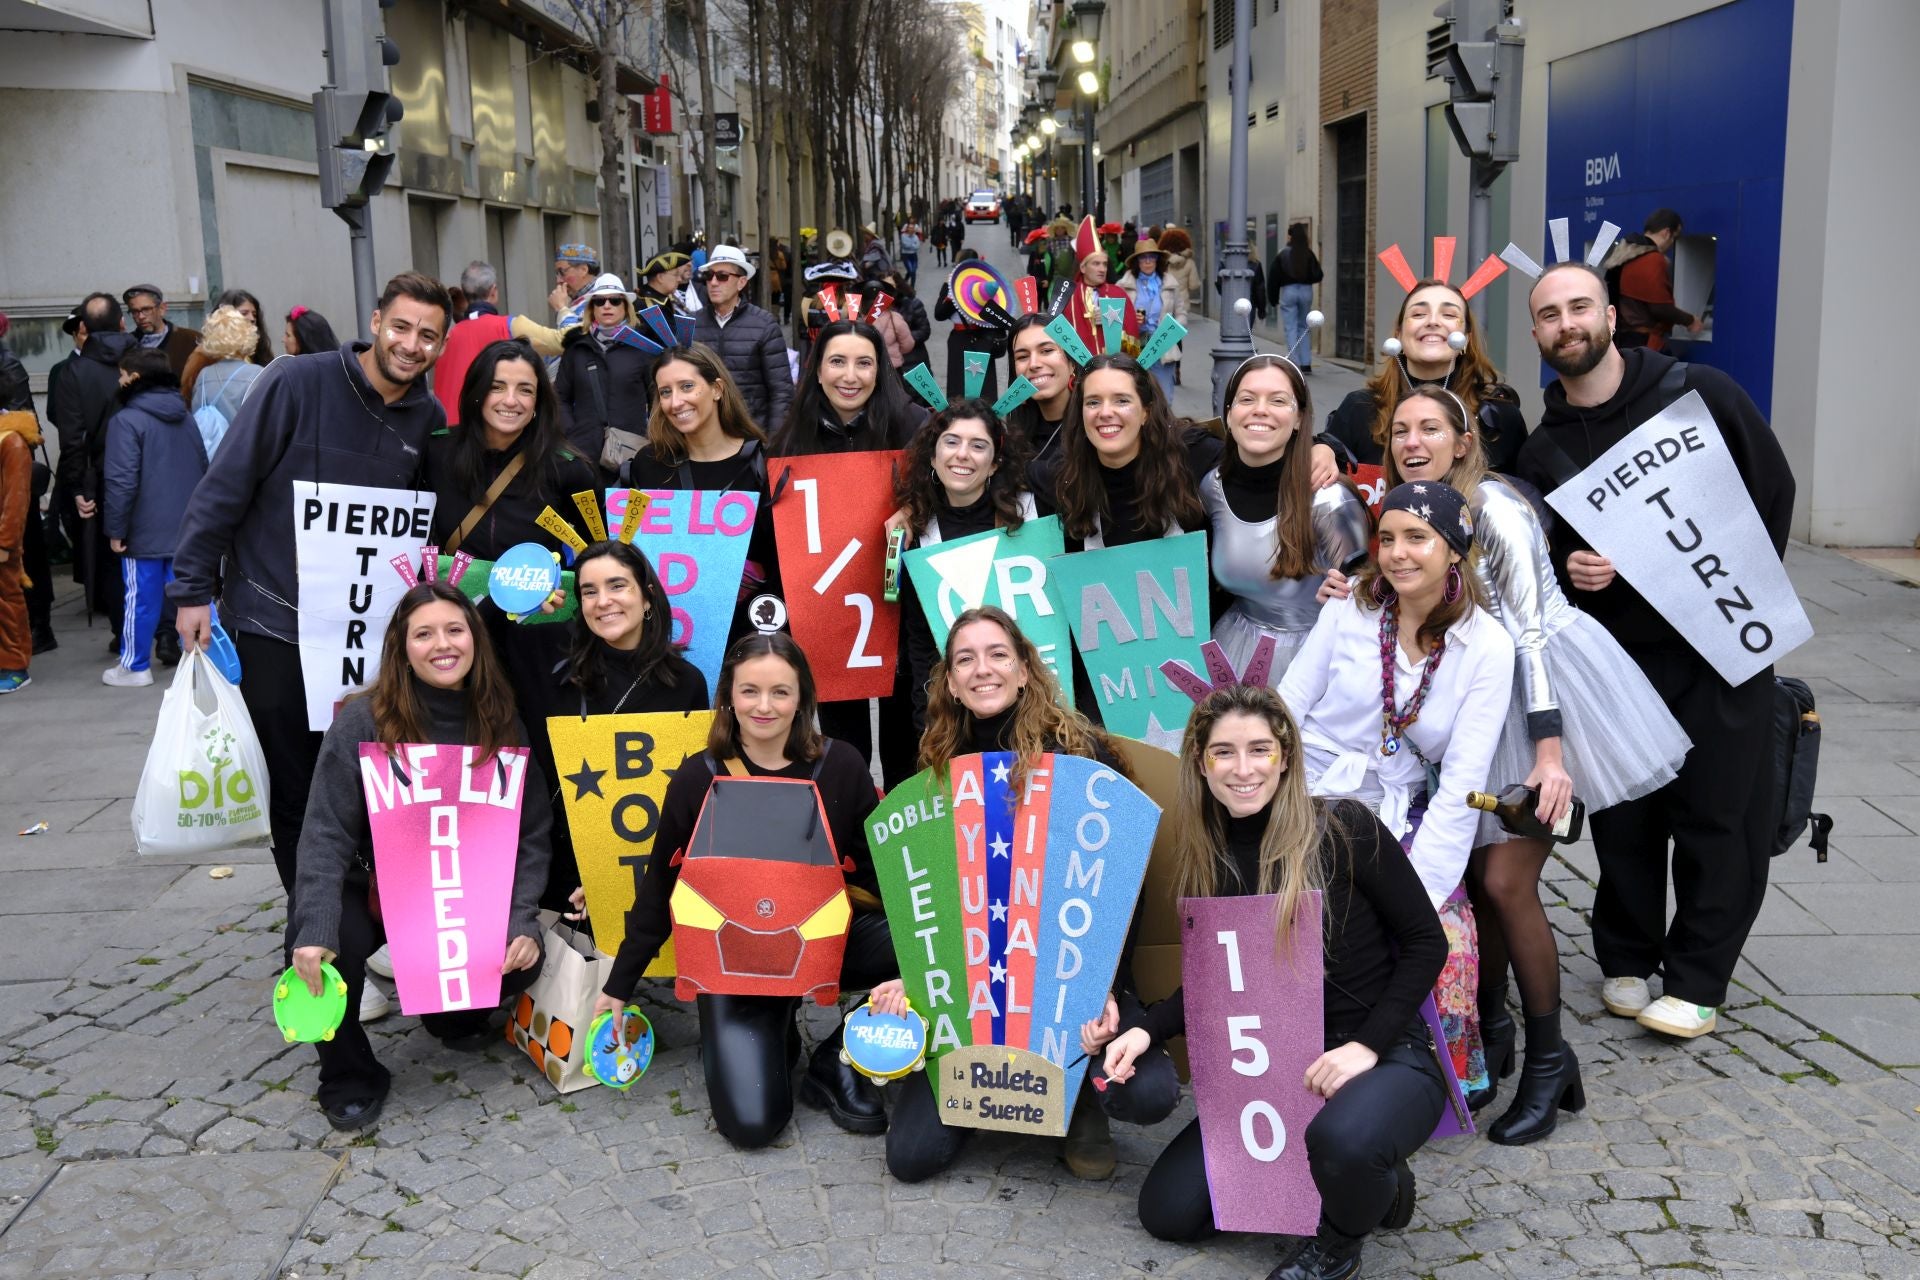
{"x": 1243, "y": 763}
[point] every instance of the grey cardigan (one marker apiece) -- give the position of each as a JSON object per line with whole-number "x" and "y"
{"x": 336, "y": 837}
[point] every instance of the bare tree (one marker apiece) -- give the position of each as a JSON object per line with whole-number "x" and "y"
{"x": 601, "y": 28}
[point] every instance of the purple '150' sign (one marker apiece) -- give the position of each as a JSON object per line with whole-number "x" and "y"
{"x": 1255, "y": 1023}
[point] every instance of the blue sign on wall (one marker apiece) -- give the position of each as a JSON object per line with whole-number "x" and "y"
{"x": 1691, "y": 116}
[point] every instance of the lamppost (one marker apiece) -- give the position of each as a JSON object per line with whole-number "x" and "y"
{"x": 1049, "y": 82}
{"x": 1086, "y": 41}
{"x": 1047, "y": 129}
{"x": 1236, "y": 337}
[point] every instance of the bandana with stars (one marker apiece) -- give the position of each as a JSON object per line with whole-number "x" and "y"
{"x": 1439, "y": 505}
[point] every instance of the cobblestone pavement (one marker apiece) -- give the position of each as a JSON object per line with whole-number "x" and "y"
{"x": 1769, "y": 1149}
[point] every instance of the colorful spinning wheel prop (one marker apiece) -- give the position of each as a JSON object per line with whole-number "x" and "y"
{"x": 974, "y": 285}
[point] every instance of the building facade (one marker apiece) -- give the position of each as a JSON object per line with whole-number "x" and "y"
{"x": 174, "y": 144}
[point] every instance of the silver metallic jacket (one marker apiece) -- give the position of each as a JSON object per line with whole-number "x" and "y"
{"x": 1242, "y": 554}
{"x": 1510, "y": 557}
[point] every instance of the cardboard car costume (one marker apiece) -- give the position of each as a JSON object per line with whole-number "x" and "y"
{"x": 760, "y": 907}
{"x": 1009, "y": 898}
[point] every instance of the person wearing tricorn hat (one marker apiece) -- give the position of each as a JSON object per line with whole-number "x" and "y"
{"x": 574, "y": 268}
{"x": 659, "y": 278}
{"x": 1156, "y": 296}
{"x": 603, "y": 382}
{"x": 747, "y": 339}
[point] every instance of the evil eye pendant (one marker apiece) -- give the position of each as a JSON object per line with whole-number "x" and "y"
{"x": 1389, "y": 745}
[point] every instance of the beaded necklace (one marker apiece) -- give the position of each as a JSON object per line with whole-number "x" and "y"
{"x": 1393, "y": 721}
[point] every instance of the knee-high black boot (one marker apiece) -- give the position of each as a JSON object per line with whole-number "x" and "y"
{"x": 1497, "y": 1034}
{"x": 1549, "y": 1084}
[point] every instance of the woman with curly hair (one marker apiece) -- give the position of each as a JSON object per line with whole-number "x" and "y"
{"x": 221, "y": 370}
{"x": 1245, "y": 823}
{"x": 965, "y": 473}
{"x": 991, "y": 691}
{"x": 1431, "y": 313}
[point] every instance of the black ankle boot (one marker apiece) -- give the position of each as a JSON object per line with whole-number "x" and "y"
{"x": 1321, "y": 1258}
{"x": 852, "y": 1100}
{"x": 1549, "y": 1084}
{"x": 1497, "y": 1034}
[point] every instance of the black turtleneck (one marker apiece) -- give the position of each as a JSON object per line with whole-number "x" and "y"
{"x": 674, "y": 684}
{"x": 960, "y": 522}
{"x": 1253, "y": 493}
{"x": 995, "y": 732}
{"x": 1373, "y": 902}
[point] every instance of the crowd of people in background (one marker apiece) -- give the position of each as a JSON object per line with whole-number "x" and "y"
{"x": 1456, "y": 642}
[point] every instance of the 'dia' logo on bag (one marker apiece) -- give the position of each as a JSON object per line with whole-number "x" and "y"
{"x": 227, "y": 797}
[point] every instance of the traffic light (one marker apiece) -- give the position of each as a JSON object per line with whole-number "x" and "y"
{"x": 1478, "y": 49}
{"x": 354, "y": 113}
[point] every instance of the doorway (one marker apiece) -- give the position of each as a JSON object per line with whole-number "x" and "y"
{"x": 1351, "y": 262}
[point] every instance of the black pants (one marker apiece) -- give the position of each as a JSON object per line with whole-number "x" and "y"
{"x": 1376, "y": 1120}
{"x": 276, "y": 699}
{"x": 748, "y": 1043}
{"x": 349, "y": 1072}
{"x": 1719, "y": 815}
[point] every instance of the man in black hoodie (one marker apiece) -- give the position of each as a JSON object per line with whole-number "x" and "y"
{"x": 1721, "y": 811}
{"x": 360, "y": 416}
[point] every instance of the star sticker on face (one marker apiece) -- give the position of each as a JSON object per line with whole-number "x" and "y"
{"x": 998, "y": 911}
{"x": 1000, "y": 847}
{"x": 1001, "y": 772}
{"x": 998, "y": 972}
{"x": 586, "y": 782}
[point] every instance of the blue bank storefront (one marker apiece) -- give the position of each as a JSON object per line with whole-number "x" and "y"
{"x": 1690, "y": 116}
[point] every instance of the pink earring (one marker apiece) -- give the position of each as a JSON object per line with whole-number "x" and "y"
{"x": 1454, "y": 585}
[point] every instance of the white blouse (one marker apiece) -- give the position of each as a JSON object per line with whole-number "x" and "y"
{"x": 1333, "y": 690}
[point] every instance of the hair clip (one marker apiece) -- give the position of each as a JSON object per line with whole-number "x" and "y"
{"x": 1220, "y": 672}
{"x": 1395, "y": 262}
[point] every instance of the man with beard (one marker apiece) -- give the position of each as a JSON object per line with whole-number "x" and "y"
{"x": 1719, "y": 814}
{"x": 356, "y": 416}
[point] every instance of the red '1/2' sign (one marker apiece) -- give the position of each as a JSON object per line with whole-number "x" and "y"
{"x": 829, "y": 521}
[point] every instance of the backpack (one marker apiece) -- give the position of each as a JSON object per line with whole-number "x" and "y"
{"x": 1796, "y": 759}
{"x": 212, "y": 423}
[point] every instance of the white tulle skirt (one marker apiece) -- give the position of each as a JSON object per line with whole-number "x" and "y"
{"x": 1618, "y": 741}
{"x": 1237, "y": 634}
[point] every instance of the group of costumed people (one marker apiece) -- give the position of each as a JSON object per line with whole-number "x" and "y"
{"x": 1381, "y": 669}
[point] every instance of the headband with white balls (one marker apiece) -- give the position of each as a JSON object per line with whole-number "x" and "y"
{"x": 1396, "y": 264}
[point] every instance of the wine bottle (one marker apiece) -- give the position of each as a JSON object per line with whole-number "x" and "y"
{"x": 1516, "y": 805}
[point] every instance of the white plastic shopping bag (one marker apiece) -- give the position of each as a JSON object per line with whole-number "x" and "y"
{"x": 205, "y": 784}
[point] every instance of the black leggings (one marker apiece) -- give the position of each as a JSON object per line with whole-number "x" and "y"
{"x": 349, "y": 1072}
{"x": 276, "y": 699}
{"x": 748, "y": 1043}
{"x": 1375, "y": 1121}
{"x": 920, "y": 1144}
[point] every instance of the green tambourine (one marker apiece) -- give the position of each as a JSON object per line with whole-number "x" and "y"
{"x": 614, "y": 1061}
{"x": 305, "y": 1017}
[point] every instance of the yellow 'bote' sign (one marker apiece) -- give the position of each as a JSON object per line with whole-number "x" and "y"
{"x": 613, "y": 776}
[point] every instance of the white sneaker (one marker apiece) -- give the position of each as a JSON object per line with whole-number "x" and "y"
{"x": 1675, "y": 1017}
{"x": 374, "y": 1004}
{"x": 381, "y": 962}
{"x": 122, "y": 678}
{"x": 1625, "y": 997}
